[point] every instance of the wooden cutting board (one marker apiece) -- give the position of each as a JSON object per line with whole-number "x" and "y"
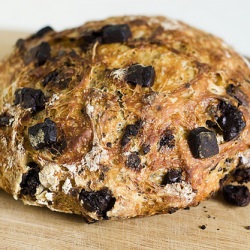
{"x": 24, "y": 227}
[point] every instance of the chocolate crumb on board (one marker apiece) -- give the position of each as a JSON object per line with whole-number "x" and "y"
{"x": 203, "y": 227}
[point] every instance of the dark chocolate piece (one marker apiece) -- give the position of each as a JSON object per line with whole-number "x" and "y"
{"x": 203, "y": 143}
{"x": 236, "y": 195}
{"x": 50, "y": 77}
{"x": 172, "y": 210}
{"x": 211, "y": 124}
{"x": 43, "y": 134}
{"x": 97, "y": 201}
{"x": 141, "y": 75}
{"x": 203, "y": 227}
{"x": 57, "y": 79}
{"x": 86, "y": 40}
{"x": 5, "y": 120}
{"x": 130, "y": 130}
{"x": 167, "y": 139}
{"x": 30, "y": 180}
{"x": 236, "y": 92}
{"x": 172, "y": 176}
{"x": 145, "y": 148}
{"x": 115, "y": 33}
{"x": 20, "y": 44}
{"x": 30, "y": 98}
{"x": 230, "y": 120}
{"x": 40, "y": 33}
{"x": 242, "y": 175}
{"x": 133, "y": 161}
{"x": 40, "y": 54}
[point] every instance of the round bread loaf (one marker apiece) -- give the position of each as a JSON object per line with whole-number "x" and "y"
{"x": 129, "y": 116}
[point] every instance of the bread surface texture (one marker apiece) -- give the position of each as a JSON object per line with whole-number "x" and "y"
{"x": 128, "y": 116}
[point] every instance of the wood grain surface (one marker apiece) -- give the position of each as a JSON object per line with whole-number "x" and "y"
{"x": 24, "y": 227}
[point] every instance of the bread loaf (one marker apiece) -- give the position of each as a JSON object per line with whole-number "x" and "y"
{"x": 129, "y": 116}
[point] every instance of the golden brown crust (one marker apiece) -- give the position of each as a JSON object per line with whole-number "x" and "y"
{"x": 92, "y": 104}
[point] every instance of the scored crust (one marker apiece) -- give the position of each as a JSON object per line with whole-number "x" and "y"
{"x": 81, "y": 131}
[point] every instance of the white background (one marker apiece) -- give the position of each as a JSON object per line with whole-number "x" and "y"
{"x": 229, "y": 19}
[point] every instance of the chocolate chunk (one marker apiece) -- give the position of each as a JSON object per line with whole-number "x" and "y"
{"x": 30, "y": 98}
{"x": 141, "y": 75}
{"x": 167, "y": 139}
{"x": 50, "y": 77}
{"x": 133, "y": 161}
{"x": 202, "y": 143}
{"x": 100, "y": 201}
{"x": 20, "y": 44}
{"x": 115, "y": 33}
{"x": 242, "y": 175}
{"x": 43, "y": 134}
{"x": 231, "y": 89}
{"x": 40, "y": 33}
{"x": 130, "y": 130}
{"x": 203, "y": 227}
{"x": 236, "y": 195}
{"x": 125, "y": 139}
{"x": 30, "y": 180}
{"x": 40, "y": 54}
{"x": 5, "y": 120}
{"x": 211, "y": 124}
{"x": 236, "y": 92}
{"x": 172, "y": 210}
{"x": 85, "y": 41}
{"x": 230, "y": 120}
{"x": 172, "y": 176}
{"x": 145, "y": 148}
{"x": 57, "y": 79}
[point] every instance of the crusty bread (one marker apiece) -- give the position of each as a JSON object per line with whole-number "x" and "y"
{"x": 129, "y": 116}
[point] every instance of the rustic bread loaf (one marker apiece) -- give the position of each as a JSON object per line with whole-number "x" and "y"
{"x": 129, "y": 116}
